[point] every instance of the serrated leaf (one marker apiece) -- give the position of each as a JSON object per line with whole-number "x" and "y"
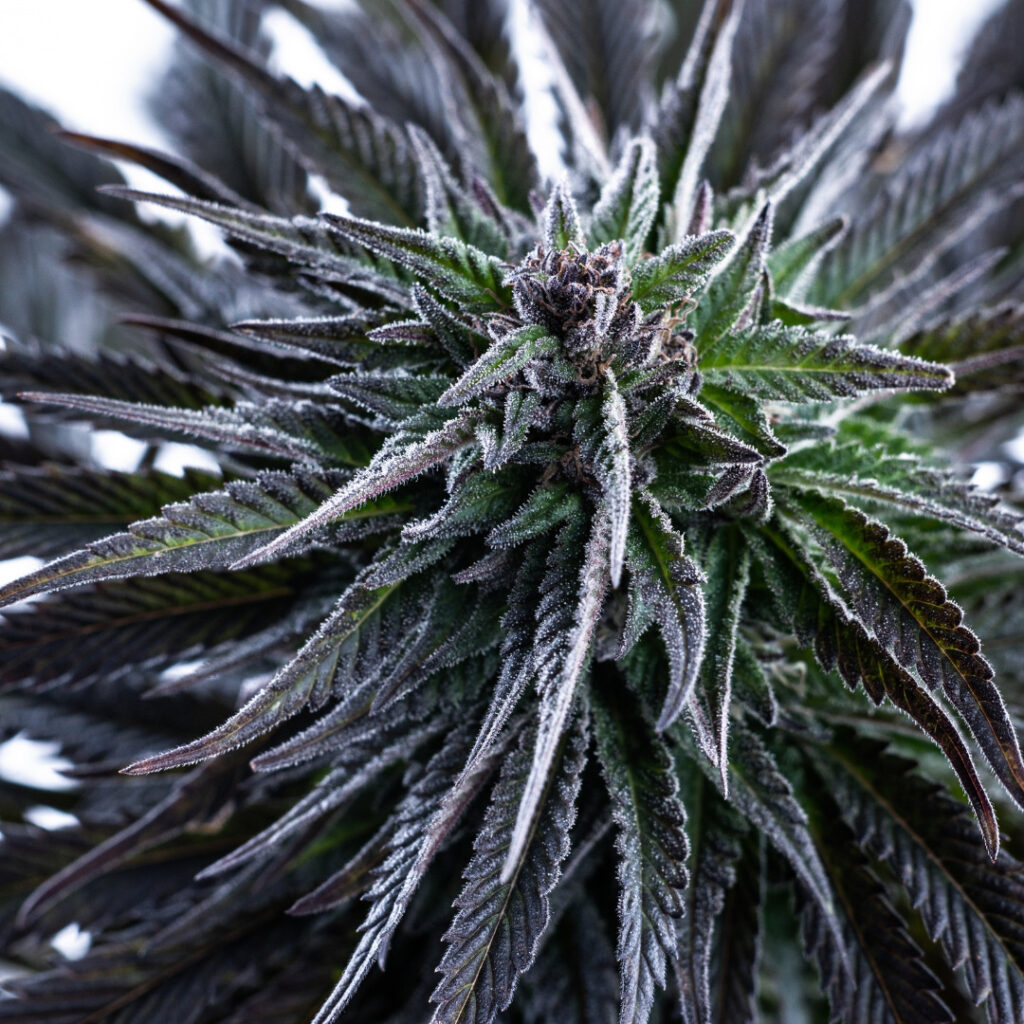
{"x": 691, "y": 108}
{"x": 310, "y": 677}
{"x": 559, "y": 683}
{"x": 628, "y": 204}
{"x": 984, "y": 349}
{"x": 499, "y": 920}
{"x": 363, "y": 156}
{"x": 924, "y": 632}
{"x": 402, "y": 458}
{"x": 109, "y": 632}
{"x": 607, "y": 48}
{"x": 302, "y": 241}
{"x": 888, "y": 981}
{"x": 678, "y": 271}
{"x": 793, "y": 260}
{"x": 874, "y": 465}
{"x": 450, "y": 208}
{"x": 506, "y": 356}
{"x": 664, "y": 582}
{"x": 652, "y": 847}
{"x": 506, "y": 160}
{"x": 574, "y": 979}
{"x": 49, "y": 508}
{"x": 209, "y": 532}
{"x": 924, "y": 207}
{"x": 968, "y": 902}
{"x": 711, "y": 935}
{"x": 729, "y": 302}
{"x": 302, "y": 431}
{"x": 801, "y": 158}
{"x": 727, "y": 568}
{"x": 516, "y": 652}
{"x": 763, "y": 795}
{"x": 30, "y": 368}
{"x": 395, "y": 397}
{"x": 560, "y": 221}
{"x": 458, "y": 271}
{"x": 792, "y": 364}
{"x": 416, "y": 831}
{"x": 341, "y": 340}
{"x": 192, "y": 801}
{"x": 547, "y": 507}
{"x": 745, "y": 416}
{"x": 477, "y": 504}
{"x": 368, "y": 750}
{"x": 819, "y": 617}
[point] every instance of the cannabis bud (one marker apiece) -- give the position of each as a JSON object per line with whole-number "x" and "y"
{"x": 576, "y": 607}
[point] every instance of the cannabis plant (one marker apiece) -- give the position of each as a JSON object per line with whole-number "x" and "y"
{"x": 570, "y": 615}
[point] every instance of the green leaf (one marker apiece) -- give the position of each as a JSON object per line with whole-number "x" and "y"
{"x": 506, "y": 356}
{"x": 651, "y": 843}
{"x": 560, "y": 682}
{"x": 970, "y": 905}
{"x": 763, "y": 795}
{"x": 49, "y": 508}
{"x": 718, "y": 934}
{"x": 321, "y": 667}
{"x": 691, "y": 108}
{"x": 628, "y": 204}
{"x": 664, "y": 588}
{"x": 297, "y": 430}
{"x": 888, "y": 980}
{"x": 745, "y": 416}
{"x": 561, "y": 221}
{"x": 731, "y": 299}
{"x": 302, "y": 241}
{"x": 547, "y": 507}
{"x": 792, "y": 364}
{"x": 793, "y": 261}
{"x": 501, "y": 914}
{"x": 875, "y": 465}
{"x": 961, "y": 176}
{"x": 810, "y": 607}
{"x": 458, "y": 271}
{"x": 984, "y": 349}
{"x": 363, "y": 156}
{"x": 678, "y": 271}
{"x": 402, "y": 458}
{"x": 211, "y": 531}
{"x": 394, "y": 396}
{"x": 726, "y": 568}
{"x": 913, "y": 618}
{"x": 111, "y": 631}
